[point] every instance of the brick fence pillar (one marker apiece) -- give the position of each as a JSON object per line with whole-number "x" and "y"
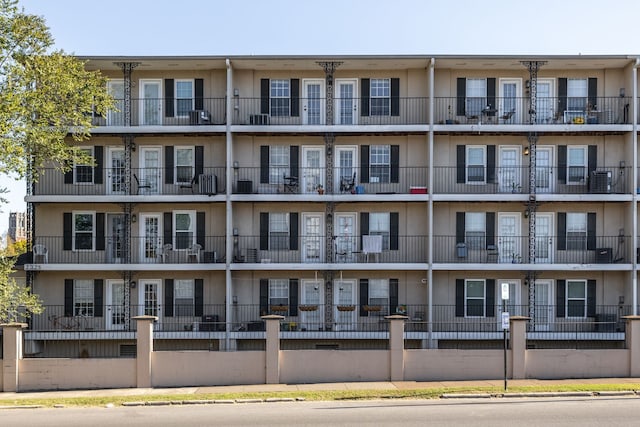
{"x": 518, "y": 345}
{"x": 144, "y": 350}
{"x": 11, "y": 355}
{"x": 632, "y": 343}
{"x": 272, "y": 348}
{"x": 396, "y": 347}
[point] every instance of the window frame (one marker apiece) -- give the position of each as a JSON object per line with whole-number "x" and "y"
{"x": 75, "y": 232}
{"x": 475, "y": 103}
{"x": 472, "y": 225}
{"x": 380, "y": 164}
{"x": 583, "y": 300}
{"x": 186, "y": 287}
{"x": 280, "y": 97}
{"x": 277, "y": 171}
{"x": 482, "y": 165}
{"x": 380, "y": 97}
{"x": 379, "y": 295}
{"x": 191, "y": 229}
{"x": 483, "y": 299}
{"x": 177, "y": 175}
{"x": 83, "y": 297}
{"x": 380, "y": 225}
{"x": 578, "y": 240}
{"x": 571, "y": 177}
{"x": 278, "y": 292}
{"x": 577, "y": 96}
{"x": 89, "y": 169}
{"x": 178, "y": 99}
{"x": 279, "y": 236}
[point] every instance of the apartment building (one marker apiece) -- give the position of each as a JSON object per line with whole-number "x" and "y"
{"x": 335, "y": 191}
{"x": 17, "y": 226}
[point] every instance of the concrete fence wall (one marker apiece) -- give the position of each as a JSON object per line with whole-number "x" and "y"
{"x": 197, "y": 368}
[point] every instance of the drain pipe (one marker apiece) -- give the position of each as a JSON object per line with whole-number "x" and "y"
{"x": 634, "y": 215}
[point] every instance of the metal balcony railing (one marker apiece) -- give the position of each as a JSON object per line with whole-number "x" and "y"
{"x": 515, "y": 180}
{"x": 569, "y": 249}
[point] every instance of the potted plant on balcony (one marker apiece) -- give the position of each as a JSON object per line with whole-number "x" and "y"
{"x": 449, "y": 120}
{"x": 308, "y": 307}
{"x": 516, "y": 258}
{"x": 320, "y": 189}
{"x": 515, "y": 187}
{"x": 279, "y": 308}
{"x": 346, "y": 307}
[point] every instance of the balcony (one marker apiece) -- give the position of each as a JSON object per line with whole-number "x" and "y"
{"x": 515, "y": 250}
{"x": 515, "y": 111}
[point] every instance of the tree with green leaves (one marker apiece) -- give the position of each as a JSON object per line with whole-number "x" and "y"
{"x": 17, "y": 302}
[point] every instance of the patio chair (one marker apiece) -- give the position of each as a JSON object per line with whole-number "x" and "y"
{"x": 193, "y": 252}
{"x": 40, "y": 252}
{"x": 139, "y": 186}
{"x": 164, "y": 251}
{"x": 348, "y": 184}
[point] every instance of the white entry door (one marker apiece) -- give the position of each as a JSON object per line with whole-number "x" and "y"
{"x": 346, "y": 166}
{"x": 545, "y": 104}
{"x": 312, "y": 168}
{"x": 115, "y": 308}
{"x": 543, "y": 316}
{"x": 544, "y": 238}
{"x": 510, "y": 242}
{"x": 115, "y": 238}
{"x": 150, "y": 299}
{"x": 544, "y": 169}
{"x": 151, "y": 102}
{"x": 115, "y": 116}
{"x": 151, "y": 244}
{"x": 510, "y": 94}
{"x": 116, "y": 171}
{"x": 346, "y": 102}
{"x": 510, "y": 169}
{"x": 345, "y": 307}
{"x": 313, "y": 111}
{"x": 312, "y": 317}
{"x": 150, "y": 174}
{"x": 346, "y": 242}
{"x": 312, "y": 237}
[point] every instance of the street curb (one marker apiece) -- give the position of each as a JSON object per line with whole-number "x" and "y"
{"x": 508, "y": 395}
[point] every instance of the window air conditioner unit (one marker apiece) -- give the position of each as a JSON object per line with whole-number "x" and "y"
{"x": 600, "y": 182}
{"x": 199, "y": 117}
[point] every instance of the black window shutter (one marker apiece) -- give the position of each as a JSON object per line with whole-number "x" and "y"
{"x": 364, "y": 297}
{"x": 293, "y": 231}
{"x": 394, "y": 225}
{"x": 393, "y": 296}
{"x": 68, "y": 297}
{"x": 199, "y": 89}
{"x": 562, "y": 164}
{"x": 168, "y": 164}
{"x": 364, "y": 97}
{"x": 68, "y": 175}
{"x": 562, "y": 95}
{"x": 264, "y": 231}
{"x": 562, "y": 231}
{"x": 461, "y": 167}
{"x": 490, "y": 228}
{"x": 264, "y": 164}
{"x": 199, "y": 160}
{"x": 295, "y": 97}
{"x": 364, "y": 225}
{"x": 461, "y": 93}
{"x": 364, "y": 163}
{"x": 395, "y": 97}
{"x": 167, "y": 228}
{"x": 593, "y": 93}
{"x": 591, "y": 298}
{"x": 264, "y": 297}
{"x": 200, "y": 229}
{"x": 100, "y": 232}
{"x": 459, "y": 297}
{"x": 592, "y": 159}
{"x": 491, "y": 164}
{"x": 198, "y": 297}
{"x": 98, "y": 155}
{"x": 491, "y": 95}
{"x": 460, "y": 227}
{"x": 98, "y": 306}
{"x": 490, "y": 298}
{"x": 168, "y": 98}
{"x": 264, "y": 96}
{"x": 293, "y": 297}
{"x": 67, "y": 231}
{"x": 560, "y": 299}
{"x": 591, "y": 231}
{"x": 294, "y": 162}
{"x": 168, "y": 297}
{"x": 395, "y": 163}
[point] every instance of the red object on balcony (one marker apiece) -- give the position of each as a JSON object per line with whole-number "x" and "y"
{"x": 418, "y": 190}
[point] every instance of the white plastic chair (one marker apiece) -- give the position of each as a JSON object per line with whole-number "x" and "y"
{"x": 164, "y": 251}
{"x": 40, "y": 251}
{"x": 193, "y": 252}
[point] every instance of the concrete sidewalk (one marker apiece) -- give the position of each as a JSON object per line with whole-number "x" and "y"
{"x": 634, "y": 383}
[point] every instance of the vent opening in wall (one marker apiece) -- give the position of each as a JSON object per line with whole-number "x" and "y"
{"x": 128, "y": 350}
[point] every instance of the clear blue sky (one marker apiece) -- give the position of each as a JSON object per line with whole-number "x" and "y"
{"x": 339, "y": 27}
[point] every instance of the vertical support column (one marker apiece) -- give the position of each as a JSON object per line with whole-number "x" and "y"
{"x": 272, "y": 350}
{"x": 144, "y": 352}
{"x": 127, "y": 69}
{"x": 632, "y": 343}
{"x": 231, "y": 240}
{"x": 432, "y": 186}
{"x": 328, "y": 293}
{"x": 396, "y": 347}
{"x": 329, "y": 68}
{"x": 11, "y": 355}
{"x": 634, "y": 174}
{"x": 518, "y": 346}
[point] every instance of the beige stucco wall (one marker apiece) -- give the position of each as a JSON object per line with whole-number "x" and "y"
{"x": 179, "y": 368}
{"x": 430, "y": 365}
{"x": 61, "y": 374}
{"x": 299, "y": 366}
{"x": 549, "y": 364}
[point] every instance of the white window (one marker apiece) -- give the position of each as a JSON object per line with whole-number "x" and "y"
{"x": 576, "y": 164}
{"x": 183, "y": 297}
{"x": 279, "y": 292}
{"x": 380, "y": 163}
{"x": 379, "y": 225}
{"x": 184, "y": 224}
{"x": 280, "y": 96}
{"x": 380, "y": 97}
{"x": 83, "y": 298}
{"x": 576, "y": 231}
{"x": 278, "y": 163}
{"x": 184, "y": 100}
{"x": 84, "y": 231}
{"x": 379, "y": 295}
{"x": 83, "y": 173}
{"x": 475, "y": 230}
{"x": 476, "y": 96}
{"x": 476, "y": 163}
{"x": 184, "y": 164}
{"x": 577, "y": 92}
{"x": 278, "y": 231}
{"x": 576, "y": 298}
{"x": 474, "y": 298}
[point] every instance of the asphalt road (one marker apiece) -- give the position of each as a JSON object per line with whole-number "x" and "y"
{"x": 522, "y": 412}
